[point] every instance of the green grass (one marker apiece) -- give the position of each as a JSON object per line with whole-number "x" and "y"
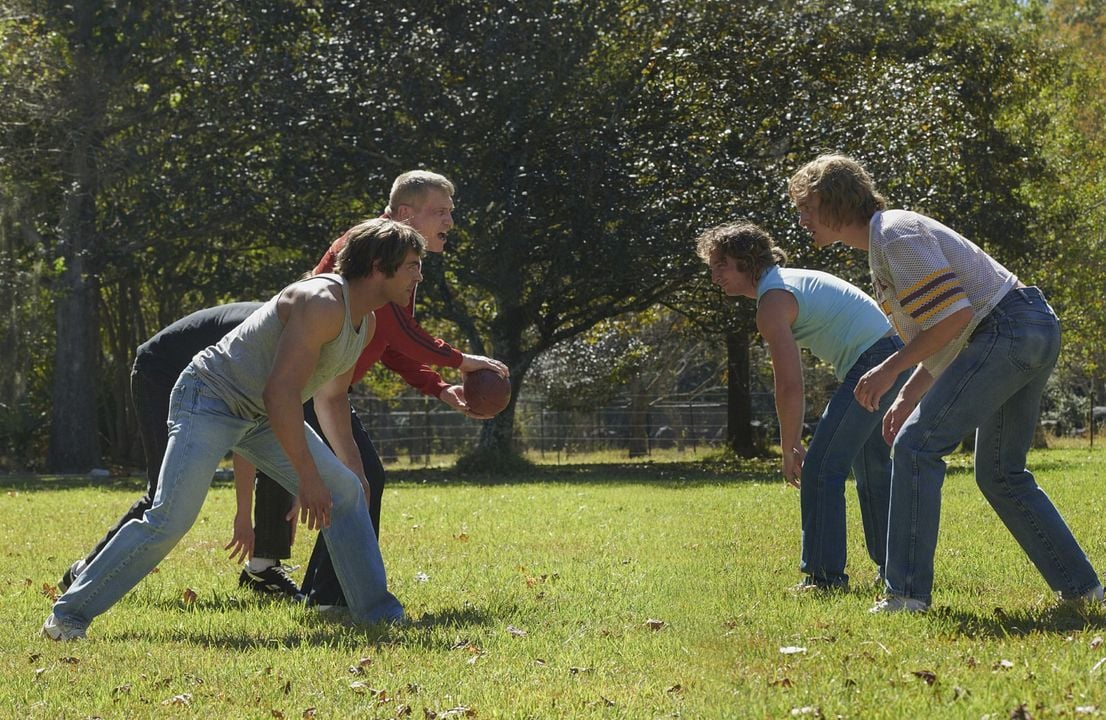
{"x": 533, "y": 598}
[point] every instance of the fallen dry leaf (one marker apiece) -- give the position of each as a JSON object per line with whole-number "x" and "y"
{"x": 188, "y": 597}
{"x": 403, "y": 710}
{"x": 1096, "y": 642}
{"x": 308, "y": 713}
{"x": 782, "y": 682}
{"x": 121, "y": 690}
{"x": 462, "y": 537}
{"x": 277, "y": 714}
{"x": 654, "y": 624}
{"x": 50, "y": 591}
{"x": 675, "y": 689}
{"x": 517, "y": 632}
{"x": 183, "y": 700}
{"x": 457, "y": 712}
{"x": 1020, "y": 713}
{"x": 34, "y": 656}
{"x": 364, "y": 662}
{"x": 928, "y": 675}
{"x": 358, "y": 686}
{"x": 1003, "y": 665}
{"x": 69, "y": 660}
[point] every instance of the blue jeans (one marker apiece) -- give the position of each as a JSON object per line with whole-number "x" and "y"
{"x": 994, "y": 387}
{"x": 848, "y": 436}
{"x": 201, "y": 432}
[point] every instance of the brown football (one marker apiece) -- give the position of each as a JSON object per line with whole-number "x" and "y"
{"x": 486, "y": 392}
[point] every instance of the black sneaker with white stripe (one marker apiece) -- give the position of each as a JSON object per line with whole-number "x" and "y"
{"x": 272, "y": 580}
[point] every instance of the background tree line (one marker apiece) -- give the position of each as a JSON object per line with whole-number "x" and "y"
{"x": 159, "y": 158}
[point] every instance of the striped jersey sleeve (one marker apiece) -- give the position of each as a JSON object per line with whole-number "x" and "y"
{"x": 923, "y": 272}
{"x": 926, "y": 287}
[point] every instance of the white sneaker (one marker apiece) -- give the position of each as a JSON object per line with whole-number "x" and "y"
{"x": 55, "y": 629}
{"x": 1087, "y": 599}
{"x": 897, "y": 603}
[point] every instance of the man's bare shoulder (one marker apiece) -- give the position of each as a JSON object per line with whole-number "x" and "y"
{"x": 317, "y": 303}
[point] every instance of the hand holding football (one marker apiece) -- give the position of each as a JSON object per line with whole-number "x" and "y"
{"x": 486, "y": 392}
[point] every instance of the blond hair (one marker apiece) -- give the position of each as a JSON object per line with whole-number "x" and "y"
{"x": 410, "y": 187}
{"x": 847, "y": 195}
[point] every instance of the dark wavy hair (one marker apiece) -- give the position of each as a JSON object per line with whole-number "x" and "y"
{"x": 752, "y": 249}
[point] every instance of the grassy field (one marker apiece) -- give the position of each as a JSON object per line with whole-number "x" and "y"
{"x": 593, "y": 591}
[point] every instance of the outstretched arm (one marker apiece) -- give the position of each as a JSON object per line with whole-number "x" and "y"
{"x": 775, "y": 314}
{"x": 242, "y": 541}
{"x": 333, "y": 409}
{"x": 312, "y": 316}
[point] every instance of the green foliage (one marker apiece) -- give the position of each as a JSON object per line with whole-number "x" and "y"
{"x": 224, "y": 145}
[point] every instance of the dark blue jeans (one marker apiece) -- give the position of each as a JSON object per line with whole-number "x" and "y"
{"x": 848, "y": 436}
{"x": 320, "y": 583}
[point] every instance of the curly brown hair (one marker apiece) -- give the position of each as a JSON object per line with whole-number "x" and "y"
{"x": 752, "y": 249}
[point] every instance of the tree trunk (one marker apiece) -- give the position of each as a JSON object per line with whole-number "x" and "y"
{"x": 739, "y": 406}
{"x": 638, "y": 441}
{"x": 74, "y": 435}
{"x": 498, "y": 434}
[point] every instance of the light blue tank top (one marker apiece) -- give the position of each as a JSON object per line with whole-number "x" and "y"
{"x": 238, "y": 366}
{"x": 837, "y": 321}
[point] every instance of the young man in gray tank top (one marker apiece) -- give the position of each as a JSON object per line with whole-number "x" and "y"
{"x": 246, "y": 394}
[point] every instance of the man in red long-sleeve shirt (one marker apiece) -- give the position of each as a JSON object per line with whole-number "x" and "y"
{"x": 423, "y": 200}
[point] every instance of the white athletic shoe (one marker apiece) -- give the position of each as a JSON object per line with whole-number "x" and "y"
{"x": 1092, "y": 597}
{"x": 55, "y": 629}
{"x": 897, "y": 604}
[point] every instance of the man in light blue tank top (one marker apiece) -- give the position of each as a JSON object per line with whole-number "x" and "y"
{"x": 842, "y": 326}
{"x": 246, "y": 394}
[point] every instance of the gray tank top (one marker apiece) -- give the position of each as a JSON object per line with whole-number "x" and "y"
{"x": 238, "y": 366}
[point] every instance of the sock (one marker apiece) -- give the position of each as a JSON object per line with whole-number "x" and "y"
{"x": 259, "y": 564}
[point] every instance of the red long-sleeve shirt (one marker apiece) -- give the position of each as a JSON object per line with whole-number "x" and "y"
{"x": 399, "y": 342}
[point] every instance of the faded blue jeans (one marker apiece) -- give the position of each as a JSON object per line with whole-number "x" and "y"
{"x": 848, "y": 436}
{"x": 994, "y": 387}
{"x": 201, "y": 432}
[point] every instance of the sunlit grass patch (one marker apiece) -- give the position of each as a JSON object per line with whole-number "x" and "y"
{"x": 582, "y": 591}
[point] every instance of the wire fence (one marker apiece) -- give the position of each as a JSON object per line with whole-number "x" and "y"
{"x": 419, "y": 429}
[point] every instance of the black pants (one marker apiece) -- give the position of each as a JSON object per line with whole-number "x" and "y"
{"x": 272, "y": 533}
{"x": 320, "y": 583}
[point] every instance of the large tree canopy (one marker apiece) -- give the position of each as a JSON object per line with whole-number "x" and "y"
{"x": 158, "y": 160}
